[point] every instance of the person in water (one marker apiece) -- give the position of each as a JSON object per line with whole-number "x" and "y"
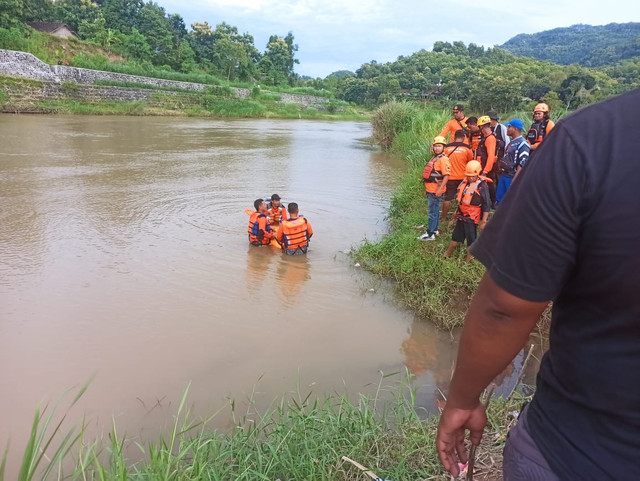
{"x": 259, "y": 230}
{"x": 295, "y": 232}
{"x": 277, "y": 212}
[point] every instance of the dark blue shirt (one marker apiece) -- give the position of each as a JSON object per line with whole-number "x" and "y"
{"x": 570, "y": 233}
{"x": 515, "y": 157}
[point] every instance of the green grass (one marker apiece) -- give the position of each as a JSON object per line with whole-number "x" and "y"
{"x": 202, "y": 106}
{"x": 436, "y": 288}
{"x": 139, "y": 85}
{"x": 298, "y": 437}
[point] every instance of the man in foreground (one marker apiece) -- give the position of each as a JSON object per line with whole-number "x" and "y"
{"x": 568, "y": 233}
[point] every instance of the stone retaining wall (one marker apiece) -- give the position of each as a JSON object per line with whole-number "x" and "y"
{"x": 22, "y": 64}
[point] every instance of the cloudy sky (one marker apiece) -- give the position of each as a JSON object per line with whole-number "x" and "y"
{"x": 343, "y": 34}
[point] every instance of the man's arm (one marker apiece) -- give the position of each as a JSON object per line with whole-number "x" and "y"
{"x": 442, "y": 185}
{"x": 496, "y": 327}
{"x": 263, "y": 225}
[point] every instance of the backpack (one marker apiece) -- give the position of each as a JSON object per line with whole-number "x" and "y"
{"x": 508, "y": 165}
{"x": 501, "y": 144}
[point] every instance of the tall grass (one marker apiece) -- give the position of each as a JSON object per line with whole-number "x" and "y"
{"x": 436, "y": 288}
{"x": 390, "y": 119}
{"x": 299, "y": 437}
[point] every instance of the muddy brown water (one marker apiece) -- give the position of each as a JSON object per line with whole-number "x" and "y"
{"x": 124, "y": 258}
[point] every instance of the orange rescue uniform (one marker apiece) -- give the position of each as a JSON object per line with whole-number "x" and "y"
{"x": 470, "y": 200}
{"x": 434, "y": 174}
{"x": 452, "y": 127}
{"x": 259, "y": 229}
{"x": 294, "y": 235}
{"x": 276, "y": 214}
{"x": 487, "y": 155}
{"x": 535, "y": 137}
{"x": 459, "y": 155}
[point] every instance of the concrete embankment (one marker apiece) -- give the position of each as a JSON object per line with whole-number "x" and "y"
{"x": 27, "y": 82}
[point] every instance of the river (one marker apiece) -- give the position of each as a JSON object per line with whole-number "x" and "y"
{"x": 124, "y": 259}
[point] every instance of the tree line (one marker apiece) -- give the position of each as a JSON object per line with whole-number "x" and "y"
{"x": 144, "y": 32}
{"x": 487, "y": 79}
{"x": 587, "y": 45}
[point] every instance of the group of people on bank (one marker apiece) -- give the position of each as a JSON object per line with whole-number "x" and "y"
{"x": 270, "y": 222}
{"x": 476, "y": 167}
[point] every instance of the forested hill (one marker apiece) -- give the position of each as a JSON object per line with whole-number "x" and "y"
{"x": 587, "y": 45}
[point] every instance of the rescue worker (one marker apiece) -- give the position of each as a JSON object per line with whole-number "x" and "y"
{"x": 500, "y": 131}
{"x": 459, "y": 154}
{"x": 294, "y": 233}
{"x": 541, "y": 126}
{"x": 435, "y": 176}
{"x": 276, "y": 211}
{"x": 458, "y": 122}
{"x": 259, "y": 229}
{"x": 473, "y": 208}
{"x": 514, "y": 159}
{"x": 486, "y": 155}
{"x": 473, "y": 134}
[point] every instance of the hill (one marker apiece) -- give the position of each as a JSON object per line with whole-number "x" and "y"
{"x": 587, "y": 45}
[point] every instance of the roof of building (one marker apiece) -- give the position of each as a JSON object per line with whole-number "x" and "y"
{"x": 48, "y": 27}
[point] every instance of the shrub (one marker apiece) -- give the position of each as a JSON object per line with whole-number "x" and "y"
{"x": 391, "y": 119}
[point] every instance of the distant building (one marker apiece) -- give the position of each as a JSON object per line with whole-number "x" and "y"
{"x": 53, "y": 28}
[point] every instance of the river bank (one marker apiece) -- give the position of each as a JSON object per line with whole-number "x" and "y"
{"x": 298, "y": 437}
{"x": 437, "y": 288}
{"x": 28, "y": 85}
{"x": 20, "y": 95}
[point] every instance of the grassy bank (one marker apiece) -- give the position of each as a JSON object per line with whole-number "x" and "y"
{"x": 24, "y": 95}
{"x": 219, "y": 108}
{"x": 438, "y": 289}
{"x": 298, "y": 438}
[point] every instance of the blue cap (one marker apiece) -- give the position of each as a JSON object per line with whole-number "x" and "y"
{"x": 517, "y": 123}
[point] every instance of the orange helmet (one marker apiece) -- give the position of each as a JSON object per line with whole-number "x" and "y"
{"x": 473, "y": 168}
{"x": 541, "y": 107}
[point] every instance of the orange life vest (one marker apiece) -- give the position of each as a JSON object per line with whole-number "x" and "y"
{"x": 537, "y": 132}
{"x": 276, "y": 214}
{"x": 295, "y": 234}
{"x": 469, "y": 200}
{"x": 255, "y": 236}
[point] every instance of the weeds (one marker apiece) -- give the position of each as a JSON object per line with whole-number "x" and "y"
{"x": 298, "y": 437}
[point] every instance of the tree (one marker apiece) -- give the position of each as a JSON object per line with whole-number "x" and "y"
{"x": 36, "y": 10}
{"x": 122, "y": 15}
{"x": 93, "y": 30}
{"x": 136, "y": 46}
{"x": 154, "y": 25}
{"x": 572, "y": 90}
{"x": 10, "y": 13}
{"x": 74, "y": 12}
{"x": 278, "y": 60}
{"x": 229, "y": 55}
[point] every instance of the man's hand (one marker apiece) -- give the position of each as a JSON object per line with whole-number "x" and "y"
{"x": 483, "y": 224}
{"x": 451, "y": 432}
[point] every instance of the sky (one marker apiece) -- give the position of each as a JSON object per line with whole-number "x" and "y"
{"x": 337, "y": 35}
